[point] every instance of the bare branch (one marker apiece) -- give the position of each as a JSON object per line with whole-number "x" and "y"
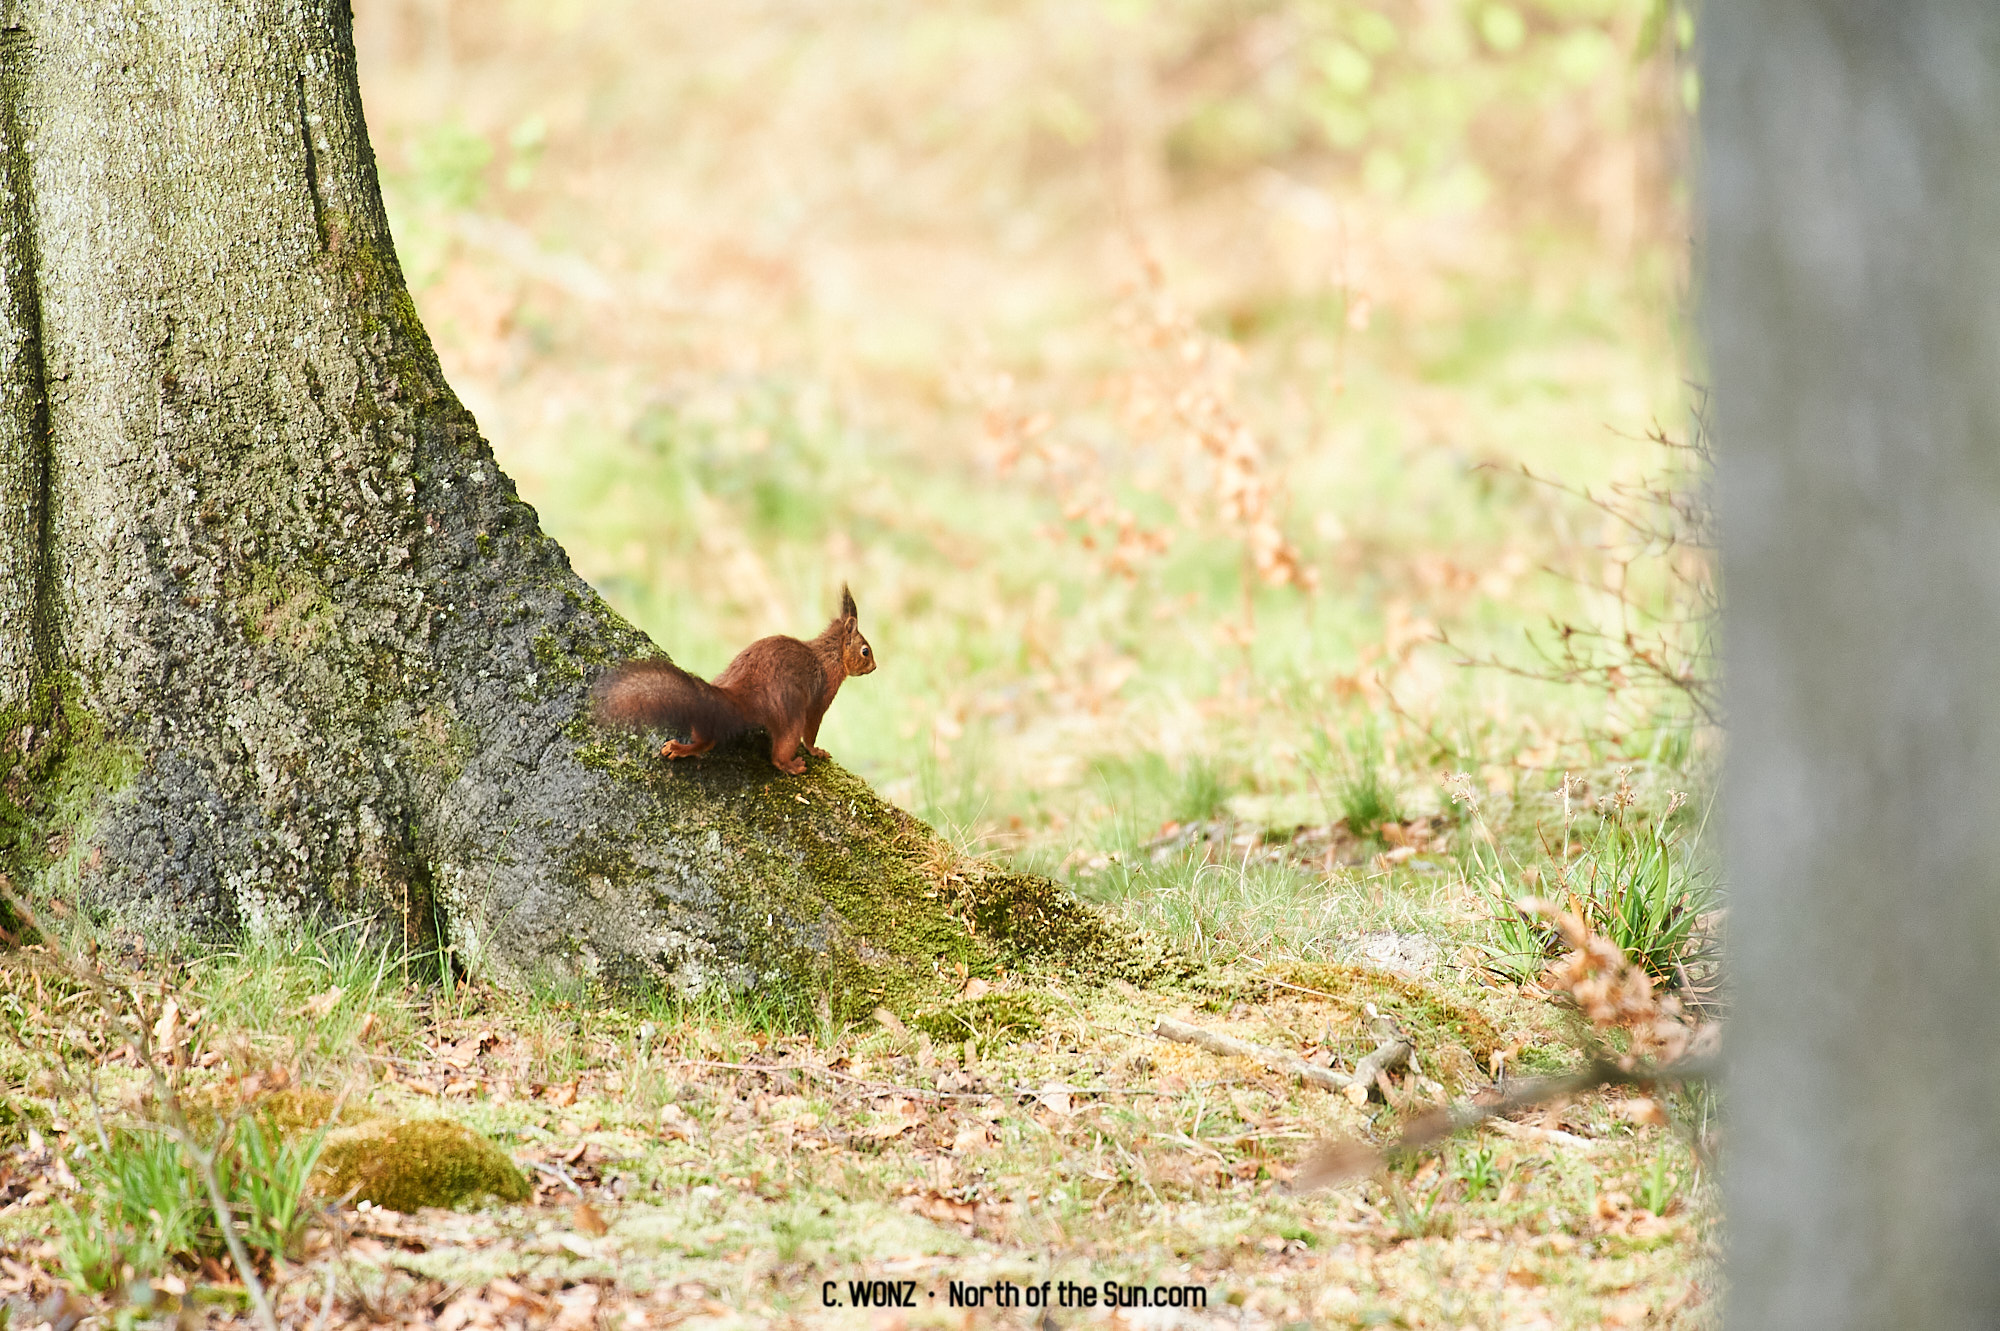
{"x": 1393, "y": 1052}
{"x": 1341, "y": 1160}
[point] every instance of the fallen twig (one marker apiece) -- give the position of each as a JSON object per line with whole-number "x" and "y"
{"x": 557, "y": 1172}
{"x": 1393, "y": 1052}
{"x": 1546, "y": 1136}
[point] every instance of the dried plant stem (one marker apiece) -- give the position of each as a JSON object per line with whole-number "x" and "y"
{"x": 1664, "y": 525}
{"x": 132, "y": 1017}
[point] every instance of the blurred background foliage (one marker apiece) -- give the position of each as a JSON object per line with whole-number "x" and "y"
{"x": 1057, "y": 330}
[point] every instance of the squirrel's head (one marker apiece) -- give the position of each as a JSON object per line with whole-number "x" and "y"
{"x": 855, "y": 653}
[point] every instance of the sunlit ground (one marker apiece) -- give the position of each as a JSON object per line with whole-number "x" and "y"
{"x": 1160, "y": 377}
{"x": 755, "y": 299}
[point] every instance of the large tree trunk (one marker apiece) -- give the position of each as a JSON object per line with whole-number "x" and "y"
{"x": 278, "y": 639}
{"x": 1852, "y": 201}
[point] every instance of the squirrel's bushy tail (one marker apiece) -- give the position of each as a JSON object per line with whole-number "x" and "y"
{"x": 640, "y": 694}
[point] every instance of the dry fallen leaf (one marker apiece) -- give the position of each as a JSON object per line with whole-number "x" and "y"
{"x": 943, "y": 1210}
{"x": 1641, "y": 1109}
{"x": 1335, "y": 1161}
{"x": 319, "y": 1005}
{"x": 675, "y": 1125}
{"x": 585, "y": 1217}
{"x": 578, "y": 1306}
{"x": 882, "y": 1132}
{"x": 166, "y": 1031}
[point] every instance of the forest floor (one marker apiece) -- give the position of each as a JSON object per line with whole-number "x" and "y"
{"x": 1187, "y": 392}
{"x": 697, "y": 1167}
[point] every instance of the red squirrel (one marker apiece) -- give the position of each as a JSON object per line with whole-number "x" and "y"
{"x": 778, "y": 683}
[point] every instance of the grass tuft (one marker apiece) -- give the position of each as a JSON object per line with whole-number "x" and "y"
{"x": 142, "y": 1213}
{"x": 1368, "y": 801}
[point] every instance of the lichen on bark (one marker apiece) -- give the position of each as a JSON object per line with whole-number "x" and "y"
{"x": 281, "y": 640}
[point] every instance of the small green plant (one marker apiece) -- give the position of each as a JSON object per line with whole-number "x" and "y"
{"x": 144, "y": 1207}
{"x": 1202, "y": 793}
{"x": 1367, "y": 801}
{"x": 1416, "y": 1217}
{"x": 141, "y": 1207}
{"x": 1660, "y": 1186}
{"x": 1630, "y": 879}
{"x": 1478, "y": 1173}
{"x": 1520, "y": 944}
{"x": 271, "y": 1176}
{"x": 1642, "y": 895}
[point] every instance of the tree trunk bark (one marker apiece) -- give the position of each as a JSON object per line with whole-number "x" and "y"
{"x": 279, "y": 642}
{"x": 1851, "y": 192}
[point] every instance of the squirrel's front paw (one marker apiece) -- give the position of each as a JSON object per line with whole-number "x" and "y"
{"x": 817, "y": 753}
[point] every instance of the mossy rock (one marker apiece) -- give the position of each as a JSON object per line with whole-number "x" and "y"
{"x": 407, "y": 1164}
{"x": 1430, "y": 1017}
{"x": 988, "y": 1017}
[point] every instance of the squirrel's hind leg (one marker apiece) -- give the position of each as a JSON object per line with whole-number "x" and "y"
{"x": 785, "y": 753}
{"x": 695, "y": 747}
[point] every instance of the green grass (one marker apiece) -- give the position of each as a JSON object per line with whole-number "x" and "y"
{"x": 1367, "y": 801}
{"x": 1643, "y": 879}
{"x": 143, "y": 1210}
{"x": 733, "y": 1131}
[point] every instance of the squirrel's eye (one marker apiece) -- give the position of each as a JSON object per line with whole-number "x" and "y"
{"x": 864, "y": 649}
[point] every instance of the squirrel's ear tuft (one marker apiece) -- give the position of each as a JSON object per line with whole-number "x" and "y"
{"x": 847, "y": 603}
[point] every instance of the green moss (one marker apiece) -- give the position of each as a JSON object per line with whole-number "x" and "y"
{"x": 408, "y": 1164}
{"x": 18, "y": 1115}
{"x": 554, "y": 662}
{"x": 1036, "y": 922}
{"x": 288, "y": 609}
{"x": 595, "y": 855}
{"x": 441, "y": 742}
{"x": 1543, "y": 1061}
{"x": 1431, "y": 1018}
{"x": 990, "y": 1017}
{"x": 57, "y": 763}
